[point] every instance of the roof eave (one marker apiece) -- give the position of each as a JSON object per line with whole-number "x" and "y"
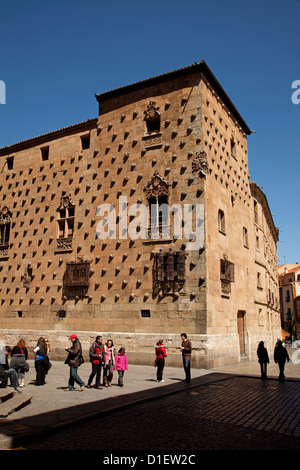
{"x": 198, "y": 67}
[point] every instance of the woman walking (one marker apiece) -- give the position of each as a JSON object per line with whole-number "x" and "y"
{"x": 108, "y": 366}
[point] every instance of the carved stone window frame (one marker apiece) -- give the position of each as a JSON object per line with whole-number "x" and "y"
{"x": 65, "y": 223}
{"x": 153, "y": 135}
{"x": 157, "y": 189}
{"x": 152, "y": 118}
{"x": 5, "y": 227}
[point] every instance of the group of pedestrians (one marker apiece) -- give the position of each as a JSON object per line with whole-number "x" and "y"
{"x": 281, "y": 356}
{"x": 102, "y": 357}
{"x": 104, "y": 361}
{"x": 17, "y": 367}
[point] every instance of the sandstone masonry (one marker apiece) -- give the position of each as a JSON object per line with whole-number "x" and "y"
{"x": 177, "y": 140}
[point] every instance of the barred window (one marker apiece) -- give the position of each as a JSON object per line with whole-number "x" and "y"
{"x": 170, "y": 265}
{"x": 77, "y": 274}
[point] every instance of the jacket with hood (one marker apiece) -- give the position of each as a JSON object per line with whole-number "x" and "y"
{"x": 160, "y": 351}
{"x": 121, "y": 362}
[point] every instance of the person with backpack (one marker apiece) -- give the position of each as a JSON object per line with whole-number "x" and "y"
{"x": 96, "y": 358}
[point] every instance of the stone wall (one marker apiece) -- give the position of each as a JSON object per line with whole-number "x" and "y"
{"x": 172, "y": 139}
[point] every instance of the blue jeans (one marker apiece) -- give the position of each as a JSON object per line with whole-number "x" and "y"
{"x": 74, "y": 377}
{"x": 187, "y": 368}
{"x": 11, "y": 373}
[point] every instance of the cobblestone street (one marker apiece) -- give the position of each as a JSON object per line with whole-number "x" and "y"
{"x": 234, "y": 413}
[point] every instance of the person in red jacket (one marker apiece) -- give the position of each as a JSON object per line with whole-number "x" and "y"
{"x": 160, "y": 353}
{"x": 96, "y": 358}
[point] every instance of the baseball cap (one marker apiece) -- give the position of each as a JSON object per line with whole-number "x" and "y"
{"x": 73, "y": 336}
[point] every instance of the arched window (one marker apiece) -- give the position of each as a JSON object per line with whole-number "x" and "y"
{"x": 5, "y": 221}
{"x": 157, "y": 194}
{"x": 66, "y": 222}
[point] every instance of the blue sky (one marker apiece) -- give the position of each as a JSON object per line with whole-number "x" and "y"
{"x": 55, "y": 55}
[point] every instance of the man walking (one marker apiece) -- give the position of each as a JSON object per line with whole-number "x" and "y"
{"x": 96, "y": 358}
{"x": 74, "y": 360}
{"x": 281, "y": 356}
{"x": 186, "y": 349}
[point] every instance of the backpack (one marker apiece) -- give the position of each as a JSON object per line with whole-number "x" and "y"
{"x": 93, "y": 351}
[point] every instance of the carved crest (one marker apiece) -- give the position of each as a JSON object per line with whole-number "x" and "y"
{"x": 65, "y": 201}
{"x": 200, "y": 164}
{"x": 5, "y": 215}
{"x": 157, "y": 186}
{"x": 151, "y": 112}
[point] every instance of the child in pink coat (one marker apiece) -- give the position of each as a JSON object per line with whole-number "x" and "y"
{"x": 121, "y": 364}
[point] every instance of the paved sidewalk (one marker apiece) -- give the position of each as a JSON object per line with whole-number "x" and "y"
{"x": 53, "y": 408}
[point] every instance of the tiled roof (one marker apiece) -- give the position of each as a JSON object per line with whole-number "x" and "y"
{"x": 9, "y": 148}
{"x": 197, "y": 67}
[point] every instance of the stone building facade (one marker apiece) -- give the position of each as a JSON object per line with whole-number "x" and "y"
{"x": 289, "y": 292}
{"x": 141, "y": 224}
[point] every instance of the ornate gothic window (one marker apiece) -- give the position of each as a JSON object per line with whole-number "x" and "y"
{"x": 66, "y": 220}
{"x": 157, "y": 195}
{"x": 5, "y": 223}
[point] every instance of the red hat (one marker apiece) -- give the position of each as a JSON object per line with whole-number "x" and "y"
{"x": 73, "y": 336}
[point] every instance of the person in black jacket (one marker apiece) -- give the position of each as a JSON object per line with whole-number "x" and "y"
{"x": 281, "y": 356}
{"x": 74, "y": 360}
{"x": 263, "y": 359}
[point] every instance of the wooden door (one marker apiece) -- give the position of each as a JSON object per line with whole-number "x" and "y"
{"x": 241, "y": 330}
